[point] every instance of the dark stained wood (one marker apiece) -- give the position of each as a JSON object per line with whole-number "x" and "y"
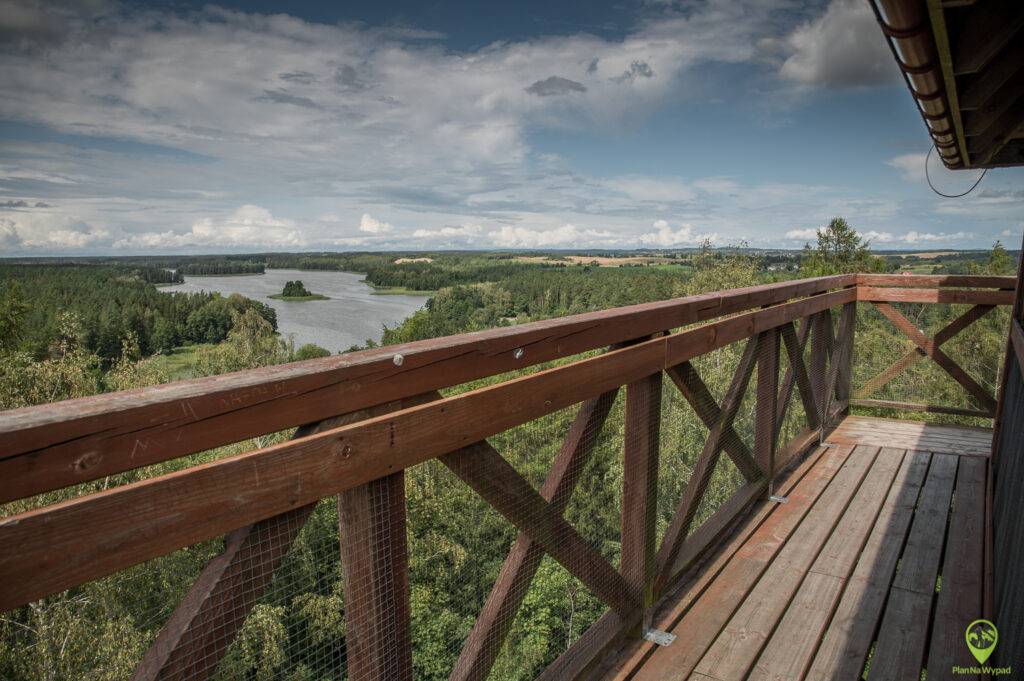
{"x": 375, "y": 572}
{"x": 917, "y": 406}
{"x": 1017, "y": 340}
{"x": 960, "y": 596}
{"x": 917, "y": 295}
{"x": 937, "y": 281}
{"x": 55, "y": 445}
{"x": 517, "y": 572}
{"x": 704, "y": 468}
{"x": 979, "y": 121}
{"x": 985, "y": 30}
{"x": 796, "y": 374}
{"x": 899, "y": 652}
{"x": 498, "y": 483}
{"x": 738, "y": 645}
{"x": 821, "y": 350}
{"x": 766, "y": 407}
{"x": 913, "y": 356}
{"x": 789, "y": 651}
{"x": 981, "y": 88}
{"x": 136, "y": 522}
{"x": 197, "y": 634}
{"x": 846, "y": 642}
{"x": 702, "y": 622}
{"x": 584, "y": 655}
{"x": 696, "y": 392}
{"x": 640, "y": 486}
{"x": 930, "y": 348}
{"x": 847, "y": 328}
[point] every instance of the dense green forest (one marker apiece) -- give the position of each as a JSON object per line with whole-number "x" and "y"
{"x": 215, "y": 267}
{"x": 50, "y": 350}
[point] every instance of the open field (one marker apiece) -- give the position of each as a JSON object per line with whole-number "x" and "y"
{"x": 601, "y": 261}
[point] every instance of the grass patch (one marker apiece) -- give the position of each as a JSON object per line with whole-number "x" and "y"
{"x": 178, "y": 364}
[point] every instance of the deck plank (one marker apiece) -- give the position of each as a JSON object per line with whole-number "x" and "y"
{"x": 849, "y": 635}
{"x": 737, "y": 647}
{"x": 899, "y": 652}
{"x": 960, "y": 596}
{"x": 700, "y": 625}
{"x": 913, "y": 435}
{"x": 791, "y": 648}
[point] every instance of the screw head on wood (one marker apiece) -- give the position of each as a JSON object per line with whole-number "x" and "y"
{"x": 398, "y": 360}
{"x": 518, "y": 353}
{"x": 345, "y": 450}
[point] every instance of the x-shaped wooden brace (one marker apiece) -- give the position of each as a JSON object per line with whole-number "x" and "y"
{"x": 916, "y": 354}
{"x": 930, "y": 347}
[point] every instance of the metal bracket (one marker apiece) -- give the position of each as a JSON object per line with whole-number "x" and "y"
{"x": 779, "y": 500}
{"x": 658, "y": 637}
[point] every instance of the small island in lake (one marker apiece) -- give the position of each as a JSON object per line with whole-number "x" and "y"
{"x": 296, "y": 290}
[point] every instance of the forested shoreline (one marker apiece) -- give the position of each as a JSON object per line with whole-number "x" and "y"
{"x": 73, "y": 330}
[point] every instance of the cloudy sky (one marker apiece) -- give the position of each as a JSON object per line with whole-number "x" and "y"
{"x": 185, "y": 127}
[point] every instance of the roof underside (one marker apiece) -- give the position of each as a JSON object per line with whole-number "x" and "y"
{"x": 963, "y": 61}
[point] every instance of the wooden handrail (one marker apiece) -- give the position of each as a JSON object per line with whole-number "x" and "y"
{"x": 937, "y": 281}
{"x": 64, "y": 443}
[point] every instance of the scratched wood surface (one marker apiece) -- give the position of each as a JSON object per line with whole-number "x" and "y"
{"x": 807, "y": 589}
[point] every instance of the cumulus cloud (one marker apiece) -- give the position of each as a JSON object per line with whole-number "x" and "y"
{"x": 372, "y": 225}
{"x": 555, "y": 85}
{"x": 667, "y": 237}
{"x": 511, "y": 236}
{"x": 248, "y": 226}
{"x": 841, "y": 48}
{"x": 911, "y": 166}
{"x": 462, "y": 231}
{"x": 913, "y": 237}
{"x": 802, "y": 234}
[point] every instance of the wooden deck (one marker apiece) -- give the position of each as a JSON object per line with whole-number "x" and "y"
{"x": 869, "y": 557}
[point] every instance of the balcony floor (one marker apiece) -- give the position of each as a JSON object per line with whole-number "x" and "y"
{"x": 878, "y": 552}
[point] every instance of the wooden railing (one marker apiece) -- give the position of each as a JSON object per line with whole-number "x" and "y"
{"x": 368, "y": 416}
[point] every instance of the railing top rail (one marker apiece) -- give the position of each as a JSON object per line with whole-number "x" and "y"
{"x": 937, "y": 280}
{"x": 167, "y": 421}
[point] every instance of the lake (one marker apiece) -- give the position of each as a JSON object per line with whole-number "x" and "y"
{"x": 351, "y": 316}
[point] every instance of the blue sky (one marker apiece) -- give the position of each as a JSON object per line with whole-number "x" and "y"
{"x": 186, "y": 127}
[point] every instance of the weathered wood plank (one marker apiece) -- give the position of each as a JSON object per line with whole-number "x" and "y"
{"x": 495, "y": 620}
{"x": 942, "y": 359}
{"x": 917, "y": 406}
{"x": 700, "y": 625}
{"x": 766, "y": 407}
{"x": 375, "y": 572}
{"x": 640, "y": 486}
{"x": 845, "y": 645}
{"x": 501, "y": 486}
{"x": 738, "y": 645}
{"x": 704, "y": 467}
{"x": 792, "y": 645}
{"x": 952, "y": 296}
{"x": 960, "y": 596}
{"x": 937, "y": 280}
{"x": 60, "y": 444}
{"x": 674, "y": 605}
{"x": 899, "y": 653}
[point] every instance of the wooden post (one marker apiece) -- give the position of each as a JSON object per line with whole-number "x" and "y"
{"x": 640, "y": 486}
{"x": 767, "y": 402}
{"x": 847, "y": 326}
{"x": 375, "y": 567}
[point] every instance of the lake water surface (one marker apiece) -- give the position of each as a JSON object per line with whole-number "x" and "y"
{"x": 351, "y": 316}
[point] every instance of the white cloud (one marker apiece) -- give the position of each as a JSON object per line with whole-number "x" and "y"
{"x": 248, "y": 226}
{"x": 911, "y": 166}
{"x": 372, "y": 225}
{"x": 802, "y": 234}
{"x": 878, "y": 237}
{"x": 509, "y": 236}
{"x": 667, "y": 237}
{"x": 914, "y": 237}
{"x": 463, "y": 231}
{"x": 843, "y": 47}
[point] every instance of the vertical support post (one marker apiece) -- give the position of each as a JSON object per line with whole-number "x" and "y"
{"x": 640, "y": 488}
{"x": 847, "y": 327}
{"x": 767, "y": 403}
{"x": 375, "y": 565}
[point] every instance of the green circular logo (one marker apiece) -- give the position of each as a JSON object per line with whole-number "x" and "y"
{"x": 981, "y": 636}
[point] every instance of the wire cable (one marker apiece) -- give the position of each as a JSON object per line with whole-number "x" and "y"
{"x": 928, "y": 177}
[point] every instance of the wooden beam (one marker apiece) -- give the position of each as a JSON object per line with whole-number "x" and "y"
{"x": 696, "y": 392}
{"x": 982, "y": 86}
{"x": 1017, "y": 341}
{"x": 375, "y": 571}
{"x": 197, "y": 634}
{"x": 942, "y": 359}
{"x": 766, "y": 407}
{"x": 916, "y": 406}
{"x": 821, "y": 350}
{"x": 796, "y": 374}
{"x": 847, "y": 328}
{"x": 981, "y": 120}
{"x": 985, "y": 31}
{"x": 956, "y": 297}
{"x": 937, "y": 281}
{"x": 1006, "y": 127}
{"x": 130, "y": 524}
{"x": 501, "y": 486}
{"x": 703, "y": 469}
{"x": 911, "y": 357}
{"x": 55, "y": 445}
{"x": 639, "y": 519}
{"x": 495, "y": 620}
